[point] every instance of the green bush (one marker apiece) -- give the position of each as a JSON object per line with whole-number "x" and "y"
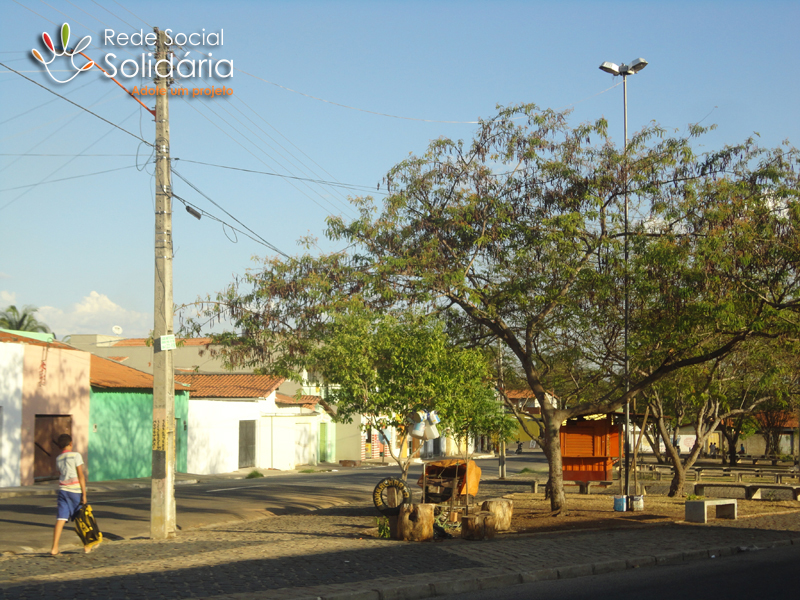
{"x": 254, "y": 475}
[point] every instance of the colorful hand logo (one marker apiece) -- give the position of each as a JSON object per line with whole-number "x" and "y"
{"x": 64, "y": 52}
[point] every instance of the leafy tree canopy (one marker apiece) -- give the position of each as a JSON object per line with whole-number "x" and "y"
{"x": 519, "y": 235}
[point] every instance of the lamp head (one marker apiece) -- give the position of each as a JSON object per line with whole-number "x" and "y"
{"x": 610, "y": 67}
{"x": 637, "y": 65}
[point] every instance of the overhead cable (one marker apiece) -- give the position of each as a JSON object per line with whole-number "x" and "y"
{"x": 196, "y": 189}
{"x": 78, "y": 105}
{"x": 19, "y": 187}
{"x": 319, "y": 181}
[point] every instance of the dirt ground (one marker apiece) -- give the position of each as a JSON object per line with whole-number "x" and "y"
{"x": 532, "y": 512}
{"x": 590, "y": 512}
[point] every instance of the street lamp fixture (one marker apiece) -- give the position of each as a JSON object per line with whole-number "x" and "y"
{"x": 625, "y": 70}
{"x": 636, "y": 65}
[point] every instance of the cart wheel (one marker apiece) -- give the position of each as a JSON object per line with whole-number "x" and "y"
{"x": 389, "y": 495}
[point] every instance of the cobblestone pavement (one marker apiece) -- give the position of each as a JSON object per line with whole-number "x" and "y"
{"x": 327, "y": 555}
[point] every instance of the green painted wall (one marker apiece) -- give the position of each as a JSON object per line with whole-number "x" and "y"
{"x": 327, "y": 442}
{"x": 121, "y": 433}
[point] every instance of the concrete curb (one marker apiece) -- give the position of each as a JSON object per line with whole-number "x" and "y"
{"x": 417, "y": 591}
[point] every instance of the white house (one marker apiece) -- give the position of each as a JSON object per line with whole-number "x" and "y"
{"x": 239, "y": 421}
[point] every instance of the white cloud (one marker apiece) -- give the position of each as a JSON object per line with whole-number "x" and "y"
{"x": 96, "y": 313}
{"x": 4, "y": 275}
{"x": 7, "y": 298}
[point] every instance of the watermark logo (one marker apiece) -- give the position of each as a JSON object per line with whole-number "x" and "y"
{"x": 78, "y": 49}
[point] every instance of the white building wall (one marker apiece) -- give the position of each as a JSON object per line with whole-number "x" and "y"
{"x": 276, "y": 442}
{"x": 213, "y": 444}
{"x": 348, "y": 440}
{"x": 11, "y": 368}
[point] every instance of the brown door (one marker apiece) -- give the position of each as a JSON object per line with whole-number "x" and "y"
{"x": 46, "y": 430}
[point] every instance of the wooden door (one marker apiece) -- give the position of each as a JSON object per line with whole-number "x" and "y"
{"x": 247, "y": 444}
{"x": 46, "y": 430}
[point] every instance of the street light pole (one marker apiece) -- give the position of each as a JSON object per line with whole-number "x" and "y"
{"x": 625, "y": 70}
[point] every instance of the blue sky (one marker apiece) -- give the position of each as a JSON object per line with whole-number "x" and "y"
{"x": 81, "y": 249}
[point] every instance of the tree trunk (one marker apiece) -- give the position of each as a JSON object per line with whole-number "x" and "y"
{"x": 552, "y": 449}
{"x": 732, "y": 438}
{"x": 678, "y": 483}
{"x": 502, "y": 509}
{"x": 478, "y": 526}
{"x": 415, "y": 523}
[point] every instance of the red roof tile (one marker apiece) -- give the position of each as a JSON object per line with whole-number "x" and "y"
{"x": 520, "y": 394}
{"x": 105, "y": 373}
{"x": 13, "y": 338}
{"x": 304, "y": 401}
{"x": 244, "y": 385}
{"x": 118, "y": 359}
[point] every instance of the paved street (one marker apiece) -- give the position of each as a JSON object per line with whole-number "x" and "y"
{"x": 325, "y": 555}
{"x": 769, "y": 573}
{"x": 329, "y": 553}
{"x": 123, "y": 508}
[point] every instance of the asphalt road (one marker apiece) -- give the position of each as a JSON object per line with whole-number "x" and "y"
{"x": 27, "y": 521}
{"x": 771, "y": 573}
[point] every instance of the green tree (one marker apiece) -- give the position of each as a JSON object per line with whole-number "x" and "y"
{"x": 694, "y": 397}
{"x": 519, "y": 234}
{"x": 385, "y": 367}
{"x": 517, "y": 237}
{"x": 14, "y": 319}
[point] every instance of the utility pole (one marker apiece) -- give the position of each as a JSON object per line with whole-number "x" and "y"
{"x": 162, "y": 495}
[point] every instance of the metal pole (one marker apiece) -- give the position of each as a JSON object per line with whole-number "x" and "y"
{"x": 627, "y": 305}
{"x": 502, "y": 460}
{"x": 162, "y": 495}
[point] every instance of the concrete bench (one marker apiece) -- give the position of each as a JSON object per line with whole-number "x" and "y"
{"x": 752, "y": 491}
{"x": 700, "y": 488}
{"x": 585, "y": 486}
{"x": 697, "y": 510}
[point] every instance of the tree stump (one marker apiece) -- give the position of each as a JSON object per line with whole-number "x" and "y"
{"x": 414, "y": 523}
{"x": 478, "y": 526}
{"x": 502, "y": 509}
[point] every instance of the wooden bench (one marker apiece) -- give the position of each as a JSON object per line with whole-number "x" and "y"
{"x": 697, "y": 510}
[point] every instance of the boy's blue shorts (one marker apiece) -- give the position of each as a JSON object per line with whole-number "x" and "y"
{"x": 68, "y": 503}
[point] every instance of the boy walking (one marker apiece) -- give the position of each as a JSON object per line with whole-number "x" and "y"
{"x": 71, "y": 487}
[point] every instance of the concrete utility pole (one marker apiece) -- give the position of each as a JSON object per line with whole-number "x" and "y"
{"x": 162, "y": 496}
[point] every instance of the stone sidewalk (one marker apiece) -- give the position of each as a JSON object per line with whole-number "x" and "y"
{"x": 330, "y": 554}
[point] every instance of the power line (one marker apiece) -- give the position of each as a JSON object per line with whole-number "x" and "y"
{"x": 78, "y": 105}
{"x": 319, "y": 181}
{"x": 19, "y": 187}
{"x": 372, "y": 112}
{"x": 45, "y": 103}
{"x": 293, "y": 160}
{"x": 196, "y": 189}
{"x": 44, "y": 180}
{"x": 73, "y": 117}
{"x": 254, "y": 155}
{"x": 113, "y": 15}
{"x": 278, "y": 161}
{"x": 205, "y": 213}
{"x": 135, "y": 15}
{"x": 34, "y": 12}
{"x": 75, "y": 155}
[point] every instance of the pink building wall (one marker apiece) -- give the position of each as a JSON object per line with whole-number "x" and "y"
{"x": 63, "y": 390}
